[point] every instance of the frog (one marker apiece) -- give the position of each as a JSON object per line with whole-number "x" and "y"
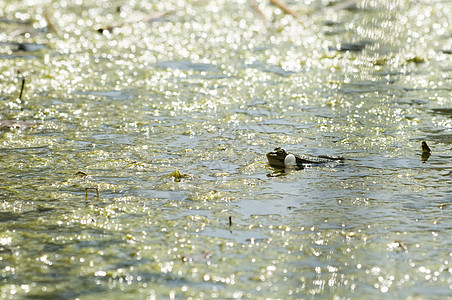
{"x": 280, "y": 159}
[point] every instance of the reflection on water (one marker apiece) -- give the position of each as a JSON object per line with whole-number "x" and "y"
{"x": 171, "y": 116}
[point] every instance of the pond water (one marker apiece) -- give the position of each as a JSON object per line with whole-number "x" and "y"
{"x": 119, "y": 96}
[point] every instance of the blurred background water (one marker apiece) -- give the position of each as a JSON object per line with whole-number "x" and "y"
{"x": 119, "y": 95}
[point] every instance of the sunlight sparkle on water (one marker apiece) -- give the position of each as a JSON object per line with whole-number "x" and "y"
{"x": 207, "y": 89}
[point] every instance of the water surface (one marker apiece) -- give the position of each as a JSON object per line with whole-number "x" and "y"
{"x": 130, "y": 93}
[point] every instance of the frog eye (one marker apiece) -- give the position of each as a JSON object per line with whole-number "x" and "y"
{"x": 280, "y": 151}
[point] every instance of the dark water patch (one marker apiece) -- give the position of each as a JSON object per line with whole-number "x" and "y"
{"x": 17, "y": 56}
{"x": 213, "y": 76}
{"x": 15, "y": 21}
{"x": 410, "y": 101}
{"x": 275, "y": 206}
{"x": 257, "y": 102}
{"x": 392, "y": 74}
{"x": 382, "y": 162}
{"x": 333, "y": 28}
{"x": 238, "y": 236}
{"x": 331, "y": 23}
{"x": 443, "y": 136}
{"x": 268, "y": 68}
{"x": 349, "y": 5}
{"x": 53, "y": 247}
{"x": 415, "y": 202}
{"x": 221, "y": 165}
{"x": 18, "y": 124}
{"x": 179, "y": 195}
{"x": 333, "y": 32}
{"x": 5, "y": 250}
{"x": 361, "y": 87}
{"x": 25, "y": 47}
{"x": 163, "y": 157}
{"x": 9, "y": 216}
{"x": 288, "y": 125}
{"x": 181, "y": 142}
{"x": 435, "y": 289}
{"x": 27, "y": 150}
{"x": 107, "y": 138}
{"x": 187, "y": 213}
{"x": 113, "y": 95}
{"x": 301, "y": 150}
{"x": 253, "y": 112}
{"x": 58, "y": 283}
{"x": 430, "y": 91}
{"x": 442, "y": 111}
{"x": 103, "y": 240}
{"x": 185, "y": 65}
{"x": 31, "y": 214}
{"x": 154, "y": 279}
{"x": 352, "y": 46}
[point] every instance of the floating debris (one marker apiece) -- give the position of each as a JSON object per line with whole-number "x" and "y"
{"x": 415, "y": 59}
{"x": 82, "y": 175}
{"x": 443, "y": 205}
{"x": 178, "y": 176}
{"x": 106, "y": 29}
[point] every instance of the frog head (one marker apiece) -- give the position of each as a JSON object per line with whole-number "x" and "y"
{"x": 276, "y": 158}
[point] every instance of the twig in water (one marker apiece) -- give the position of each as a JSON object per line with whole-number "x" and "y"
{"x": 93, "y": 188}
{"x": 256, "y": 9}
{"x": 285, "y": 8}
{"x": 154, "y": 17}
{"x": 22, "y": 89}
{"x": 50, "y": 24}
